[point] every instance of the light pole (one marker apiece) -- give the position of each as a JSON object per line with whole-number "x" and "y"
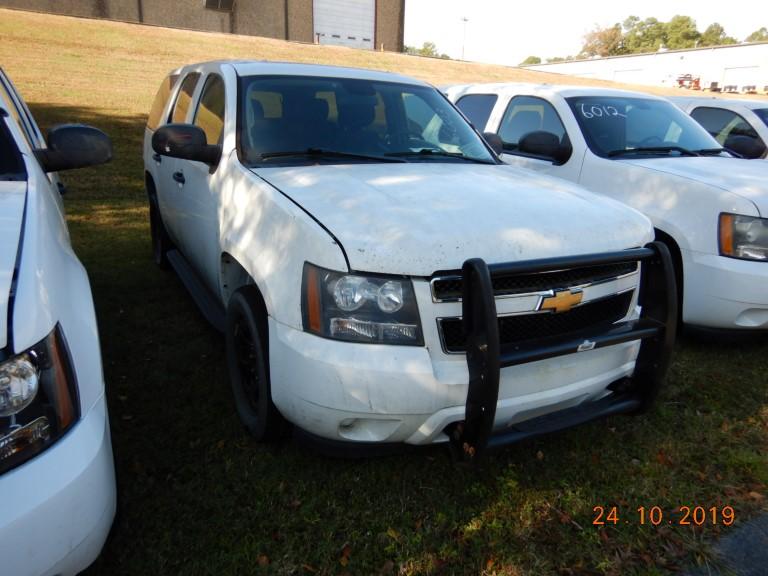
{"x": 464, "y": 19}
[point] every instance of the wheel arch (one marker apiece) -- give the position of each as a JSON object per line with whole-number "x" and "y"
{"x": 233, "y": 276}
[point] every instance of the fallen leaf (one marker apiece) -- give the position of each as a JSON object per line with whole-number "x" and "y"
{"x": 756, "y": 496}
{"x": 346, "y": 551}
{"x": 263, "y": 560}
{"x": 388, "y": 568}
{"x": 392, "y": 533}
{"x": 539, "y": 455}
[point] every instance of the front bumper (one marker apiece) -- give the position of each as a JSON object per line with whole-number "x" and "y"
{"x": 57, "y": 508}
{"x": 373, "y": 393}
{"x": 725, "y": 292}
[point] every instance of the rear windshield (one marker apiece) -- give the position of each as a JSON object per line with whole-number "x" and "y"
{"x": 410, "y": 123}
{"x": 11, "y": 162}
{"x": 762, "y": 113}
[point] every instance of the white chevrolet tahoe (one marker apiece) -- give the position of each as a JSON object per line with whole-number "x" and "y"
{"x": 381, "y": 277}
{"x": 57, "y": 479}
{"x": 740, "y": 126}
{"x": 709, "y": 208}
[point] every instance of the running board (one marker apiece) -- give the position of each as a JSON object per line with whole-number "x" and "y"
{"x": 206, "y": 302}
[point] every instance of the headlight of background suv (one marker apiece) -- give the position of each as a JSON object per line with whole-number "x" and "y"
{"x": 744, "y": 237}
{"x": 355, "y": 308}
{"x": 38, "y": 400}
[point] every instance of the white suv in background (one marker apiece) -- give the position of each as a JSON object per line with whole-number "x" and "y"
{"x": 738, "y": 125}
{"x": 710, "y": 208}
{"x": 57, "y": 478}
{"x": 381, "y": 277}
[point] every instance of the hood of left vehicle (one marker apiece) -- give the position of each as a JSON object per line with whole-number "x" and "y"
{"x": 12, "y": 198}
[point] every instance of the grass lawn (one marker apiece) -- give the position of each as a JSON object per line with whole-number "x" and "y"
{"x": 197, "y": 496}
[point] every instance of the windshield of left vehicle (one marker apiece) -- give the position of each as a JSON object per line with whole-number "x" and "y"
{"x": 11, "y": 162}
{"x": 618, "y": 126}
{"x": 298, "y": 119}
{"x": 762, "y": 113}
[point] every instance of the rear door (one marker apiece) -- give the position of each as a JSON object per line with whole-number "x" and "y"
{"x": 169, "y": 182}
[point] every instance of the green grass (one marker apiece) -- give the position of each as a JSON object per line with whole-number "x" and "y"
{"x": 197, "y": 496}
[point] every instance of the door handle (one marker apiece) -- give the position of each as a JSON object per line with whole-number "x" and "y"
{"x": 157, "y": 158}
{"x": 179, "y": 177}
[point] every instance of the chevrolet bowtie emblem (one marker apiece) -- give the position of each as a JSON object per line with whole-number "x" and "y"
{"x": 561, "y": 301}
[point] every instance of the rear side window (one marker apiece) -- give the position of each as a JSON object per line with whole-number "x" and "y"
{"x": 11, "y": 163}
{"x": 184, "y": 98}
{"x": 477, "y": 108}
{"x": 722, "y": 124}
{"x": 526, "y": 114}
{"x": 210, "y": 112}
{"x": 161, "y": 99}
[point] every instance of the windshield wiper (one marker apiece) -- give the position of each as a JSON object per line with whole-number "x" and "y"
{"x": 712, "y": 151}
{"x": 440, "y": 153}
{"x": 322, "y": 153}
{"x": 652, "y": 150}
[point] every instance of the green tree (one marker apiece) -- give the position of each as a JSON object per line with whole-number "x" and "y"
{"x": 604, "y": 42}
{"x": 644, "y": 35}
{"x": 760, "y": 35}
{"x": 682, "y": 33}
{"x": 531, "y": 60}
{"x": 428, "y": 49}
{"x": 715, "y": 35}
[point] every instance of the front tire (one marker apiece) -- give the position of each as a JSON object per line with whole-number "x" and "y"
{"x": 247, "y": 361}
{"x": 161, "y": 243}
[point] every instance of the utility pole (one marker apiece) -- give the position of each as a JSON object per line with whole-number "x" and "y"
{"x": 464, "y": 19}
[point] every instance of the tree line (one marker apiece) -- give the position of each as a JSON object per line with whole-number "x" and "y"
{"x": 636, "y": 36}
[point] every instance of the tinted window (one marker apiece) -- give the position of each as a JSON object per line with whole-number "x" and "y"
{"x": 616, "y": 124}
{"x": 292, "y": 114}
{"x": 526, "y": 114}
{"x": 210, "y": 110}
{"x": 161, "y": 98}
{"x": 722, "y": 124}
{"x": 478, "y": 108}
{"x": 11, "y": 164}
{"x": 762, "y": 113}
{"x": 184, "y": 98}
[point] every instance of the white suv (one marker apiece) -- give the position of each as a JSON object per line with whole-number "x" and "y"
{"x": 709, "y": 208}
{"x": 57, "y": 477}
{"x": 381, "y": 277}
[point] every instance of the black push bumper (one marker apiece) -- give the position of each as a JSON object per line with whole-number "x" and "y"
{"x": 656, "y": 327}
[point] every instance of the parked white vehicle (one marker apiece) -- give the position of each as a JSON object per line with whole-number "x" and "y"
{"x": 739, "y": 125}
{"x": 336, "y": 224}
{"x": 56, "y": 470}
{"x": 708, "y": 207}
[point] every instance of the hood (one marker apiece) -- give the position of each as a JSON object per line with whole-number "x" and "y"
{"x": 12, "y": 195}
{"x": 746, "y": 178}
{"x": 418, "y": 218}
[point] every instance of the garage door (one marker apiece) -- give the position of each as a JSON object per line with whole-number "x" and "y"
{"x": 345, "y": 22}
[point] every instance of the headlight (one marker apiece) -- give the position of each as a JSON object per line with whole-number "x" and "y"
{"x": 38, "y": 400}
{"x": 744, "y": 237}
{"x": 375, "y": 309}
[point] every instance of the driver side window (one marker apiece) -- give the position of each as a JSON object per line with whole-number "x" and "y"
{"x": 527, "y": 114}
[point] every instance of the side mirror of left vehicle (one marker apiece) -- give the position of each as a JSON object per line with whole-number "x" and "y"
{"x": 494, "y": 141}
{"x": 187, "y": 142}
{"x": 73, "y": 146}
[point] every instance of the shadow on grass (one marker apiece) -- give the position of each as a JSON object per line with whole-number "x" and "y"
{"x": 197, "y": 496}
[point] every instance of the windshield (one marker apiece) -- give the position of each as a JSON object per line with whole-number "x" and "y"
{"x": 309, "y": 120}
{"x": 762, "y": 113}
{"x": 617, "y": 126}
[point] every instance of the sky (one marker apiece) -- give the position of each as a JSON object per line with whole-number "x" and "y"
{"x": 508, "y": 31}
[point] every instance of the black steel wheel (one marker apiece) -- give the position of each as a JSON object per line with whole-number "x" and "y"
{"x": 247, "y": 360}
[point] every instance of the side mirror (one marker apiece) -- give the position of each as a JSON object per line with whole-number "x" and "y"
{"x": 185, "y": 141}
{"x": 494, "y": 141}
{"x": 745, "y": 146}
{"x": 545, "y": 145}
{"x": 73, "y": 146}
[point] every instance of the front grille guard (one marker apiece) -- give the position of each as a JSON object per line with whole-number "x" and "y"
{"x": 656, "y": 327}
